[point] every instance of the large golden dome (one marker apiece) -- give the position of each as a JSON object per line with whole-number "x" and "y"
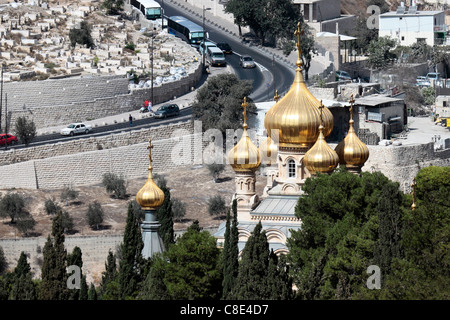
{"x": 297, "y": 115}
{"x": 321, "y": 157}
{"x": 352, "y": 152}
{"x": 150, "y": 196}
{"x": 244, "y": 157}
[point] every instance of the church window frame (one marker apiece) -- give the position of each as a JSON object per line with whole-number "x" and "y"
{"x": 292, "y": 168}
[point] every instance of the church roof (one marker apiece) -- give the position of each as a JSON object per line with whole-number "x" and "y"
{"x": 277, "y": 205}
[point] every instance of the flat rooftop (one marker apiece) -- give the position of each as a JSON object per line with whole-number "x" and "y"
{"x": 418, "y": 13}
{"x": 375, "y": 100}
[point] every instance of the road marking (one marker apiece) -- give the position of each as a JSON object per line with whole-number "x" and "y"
{"x": 261, "y": 67}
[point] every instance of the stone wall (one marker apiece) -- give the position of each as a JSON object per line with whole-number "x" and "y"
{"x": 402, "y": 163}
{"x": 93, "y": 248}
{"x": 172, "y": 148}
{"x": 93, "y": 143}
{"x": 94, "y": 251}
{"x": 36, "y": 94}
{"x": 51, "y": 103}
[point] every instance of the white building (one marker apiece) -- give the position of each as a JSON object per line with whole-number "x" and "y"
{"x": 324, "y": 15}
{"x": 407, "y": 25}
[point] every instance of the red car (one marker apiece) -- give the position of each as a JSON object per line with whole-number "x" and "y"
{"x": 10, "y": 139}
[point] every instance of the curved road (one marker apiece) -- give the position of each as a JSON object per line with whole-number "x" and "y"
{"x": 268, "y": 71}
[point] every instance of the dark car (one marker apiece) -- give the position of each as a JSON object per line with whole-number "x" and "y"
{"x": 8, "y": 138}
{"x": 225, "y": 47}
{"x": 167, "y": 110}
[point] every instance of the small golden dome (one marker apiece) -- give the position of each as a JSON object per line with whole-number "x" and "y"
{"x": 352, "y": 152}
{"x": 297, "y": 115}
{"x": 321, "y": 157}
{"x": 150, "y": 196}
{"x": 244, "y": 157}
{"x": 269, "y": 151}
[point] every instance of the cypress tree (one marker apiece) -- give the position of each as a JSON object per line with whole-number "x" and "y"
{"x": 23, "y": 287}
{"x": 389, "y": 227}
{"x": 164, "y": 215}
{"x": 3, "y": 263}
{"x": 251, "y": 283}
{"x": 154, "y": 287}
{"x": 83, "y": 295}
{"x": 230, "y": 254}
{"x": 131, "y": 263}
{"x": 278, "y": 281}
{"x": 75, "y": 259}
{"x": 92, "y": 293}
{"x": 110, "y": 272}
{"x": 54, "y": 278}
{"x": 226, "y": 282}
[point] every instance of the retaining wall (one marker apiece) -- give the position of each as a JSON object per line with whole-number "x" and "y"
{"x": 87, "y": 168}
{"x": 93, "y": 143}
{"x": 49, "y": 103}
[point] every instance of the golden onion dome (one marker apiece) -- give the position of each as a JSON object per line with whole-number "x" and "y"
{"x": 269, "y": 151}
{"x": 150, "y": 196}
{"x": 321, "y": 157}
{"x": 244, "y": 156}
{"x": 352, "y": 152}
{"x": 297, "y": 115}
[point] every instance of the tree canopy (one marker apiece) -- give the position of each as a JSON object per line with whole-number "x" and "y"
{"x": 218, "y": 104}
{"x": 264, "y": 16}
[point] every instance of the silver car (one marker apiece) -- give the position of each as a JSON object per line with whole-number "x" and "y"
{"x": 76, "y": 128}
{"x": 247, "y": 62}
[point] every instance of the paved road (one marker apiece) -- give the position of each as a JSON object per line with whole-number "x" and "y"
{"x": 270, "y": 73}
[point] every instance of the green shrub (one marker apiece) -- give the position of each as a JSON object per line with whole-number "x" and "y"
{"x": 94, "y": 215}
{"x": 216, "y": 206}
{"x": 114, "y": 184}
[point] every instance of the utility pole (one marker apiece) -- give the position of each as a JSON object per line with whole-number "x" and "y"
{"x": 204, "y": 33}
{"x": 6, "y": 120}
{"x": 162, "y": 15}
{"x": 1, "y": 100}
{"x": 153, "y": 37}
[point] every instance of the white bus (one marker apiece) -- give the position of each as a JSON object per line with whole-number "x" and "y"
{"x": 149, "y": 8}
{"x": 187, "y": 30}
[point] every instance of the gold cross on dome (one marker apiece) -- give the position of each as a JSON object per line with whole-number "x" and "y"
{"x": 245, "y": 105}
{"x": 299, "y": 32}
{"x": 321, "y": 106}
{"x": 352, "y": 101}
{"x": 276, "y": 97}
{"x": 149, "y": 148}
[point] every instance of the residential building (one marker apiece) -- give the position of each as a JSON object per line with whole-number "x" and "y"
{"x": 408, "y": 26}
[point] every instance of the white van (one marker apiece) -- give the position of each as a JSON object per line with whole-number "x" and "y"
{"x": 215, "y": 57}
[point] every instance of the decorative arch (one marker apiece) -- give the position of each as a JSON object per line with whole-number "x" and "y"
{"x": 290, "y": 188}
{"x": 275, "y": 235}
{"x": 244, "y": 234}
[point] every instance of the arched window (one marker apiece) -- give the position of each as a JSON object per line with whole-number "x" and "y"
{"x": 291, "y": 168}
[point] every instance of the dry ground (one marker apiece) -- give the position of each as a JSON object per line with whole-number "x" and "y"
{"x": 192, "y": 185}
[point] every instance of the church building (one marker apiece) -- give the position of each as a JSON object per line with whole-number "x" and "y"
{"x": 294, "y": 150}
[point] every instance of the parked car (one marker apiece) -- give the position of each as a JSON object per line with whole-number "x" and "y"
{"x": 215, "y": 57}
{"x": 247, "y": 62}
{"x": 422, "y": 81}
{"x": 433, "y": 76}
{"x": 342, "y": 76}
{"x": 167, "y": 110}
{"x": 203, "y": 47}
{"x": 76, "y": 128}
{"x": 225, "y": 47}
{"x": 8, "y": 138}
